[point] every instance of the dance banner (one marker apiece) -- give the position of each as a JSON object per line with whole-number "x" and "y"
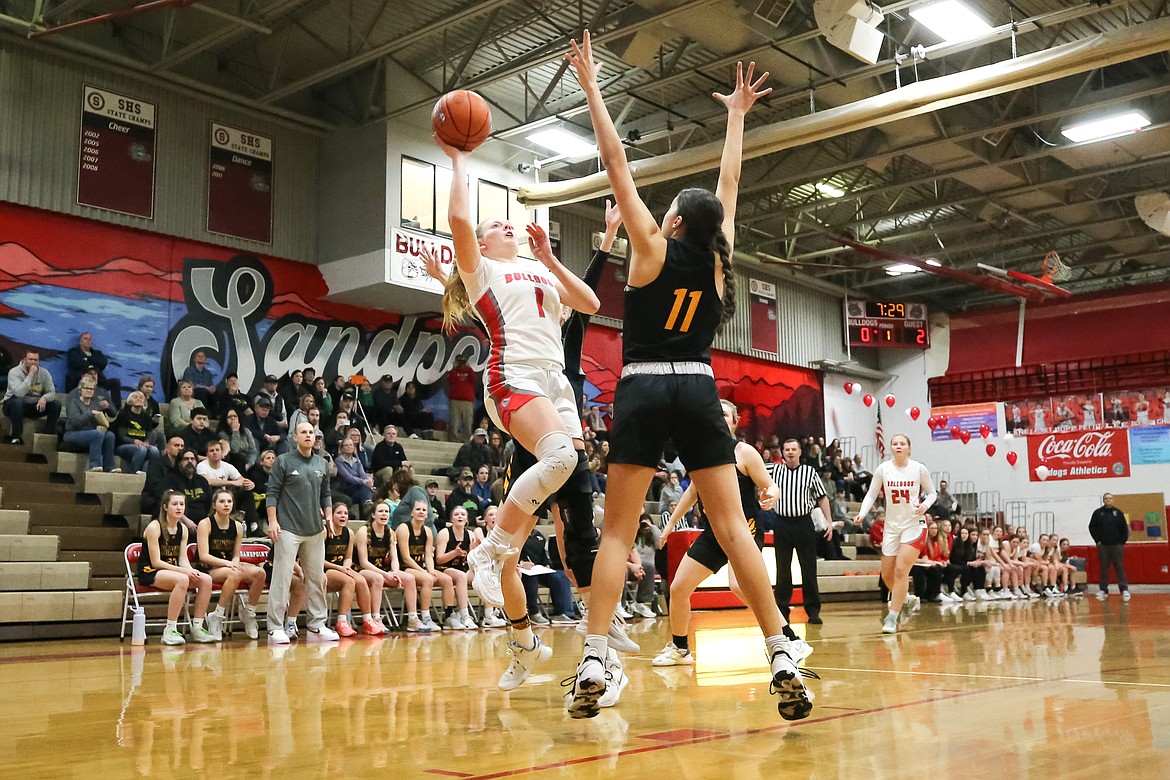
{"x": 1078, "y": 455}
{"x": 763, "y": 316}
{"x": 239, "y": 184}
{"x": 115, "y": 166}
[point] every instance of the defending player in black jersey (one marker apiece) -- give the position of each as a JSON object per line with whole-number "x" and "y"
{"x": 679, "y": 290}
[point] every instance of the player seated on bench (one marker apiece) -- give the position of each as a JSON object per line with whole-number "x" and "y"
{"x": 219, "y": 540}
{"x": 163, "y": 564}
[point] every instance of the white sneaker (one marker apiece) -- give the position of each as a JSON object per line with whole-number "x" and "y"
{"x": 912, "y": 602}
{"x": 277, "y": 637}
{"x": 643, "y": 610}
{"x": 251, "y": 626}
{"x": 623, "y": 613}
{"x": 563, "y": 620}
{"x": 493, "y": 619}
{"x": 1102, "y": 595}
{"x": 982, "y": 595}
{"x": 488, "y": 561}
{"x": 322, "y": 634}
{"x": 890, "y": 623}
{"x": 788, "y": 684}
{"x": 800, "y": 649}
{"x": 618, "y": 638}
{"x": 172, "y": 636}
{"x": 290, "y": 628}
{"x": 1125, "y": 596}
{"x": 588, "y": 686}
{"x": 673, "y": 656}
{"x": 523, "y": 662}
{"x": 416, "y": 626}
{"x": 428, "y": 621}
{"x": 454, "y": 623}
{"x": 969, "y": 595}
{"x": 615, "y": 681}
{"x": 468, "y": 621}
{"x": 214, "y": 623}
{"x": 202, "y": 635}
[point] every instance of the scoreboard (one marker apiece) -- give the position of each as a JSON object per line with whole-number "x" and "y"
{"x": 886, "y": 324}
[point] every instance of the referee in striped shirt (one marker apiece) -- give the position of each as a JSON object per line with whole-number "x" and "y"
{"x": 800, "y": 490}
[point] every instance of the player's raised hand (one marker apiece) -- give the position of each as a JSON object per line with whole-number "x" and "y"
{"x": 746, "y": 92}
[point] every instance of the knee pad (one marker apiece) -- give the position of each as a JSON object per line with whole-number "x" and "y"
{"x": 555, "y": 460}
{"x": 581, "y": 539}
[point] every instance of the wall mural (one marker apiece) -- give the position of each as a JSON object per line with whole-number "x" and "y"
{"x": 151, "y": 301}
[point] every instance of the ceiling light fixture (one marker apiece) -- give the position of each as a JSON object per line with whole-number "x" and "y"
{"x": 1106, "y": 127}
{"x": 902, "y": 268}
{"x": 828, "y": 190}
{"x": 951, "y": 20}
{"x": 562, "y": 142}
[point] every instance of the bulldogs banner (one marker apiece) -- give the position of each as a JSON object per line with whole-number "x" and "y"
{"x": 1078, "y": 455}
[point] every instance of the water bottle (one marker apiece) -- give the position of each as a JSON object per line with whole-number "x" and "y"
{"x": 138, "y": 632}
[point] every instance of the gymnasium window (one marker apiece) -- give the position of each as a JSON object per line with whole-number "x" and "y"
{"x": 425, "y": 189}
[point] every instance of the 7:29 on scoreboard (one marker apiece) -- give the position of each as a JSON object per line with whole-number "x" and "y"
{"x": 886, "y": 324}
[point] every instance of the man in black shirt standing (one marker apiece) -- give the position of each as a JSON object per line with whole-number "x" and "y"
{"x": 800, "y": 490}
{"x": 1110, "y": 531}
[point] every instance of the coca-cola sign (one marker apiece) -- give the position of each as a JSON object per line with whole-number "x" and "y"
{"x": 1078, "y": 455}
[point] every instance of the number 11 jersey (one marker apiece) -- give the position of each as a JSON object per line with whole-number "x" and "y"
{"x": 521, "y": 310}
{"x": 674, "y": 317}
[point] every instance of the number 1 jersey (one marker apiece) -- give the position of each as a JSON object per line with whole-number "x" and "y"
{"x": 521, "y": 310}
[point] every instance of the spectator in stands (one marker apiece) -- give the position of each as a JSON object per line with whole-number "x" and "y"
{"x": 945, "y": 505}
{"x": 30, "y": 393}
{"x": 234, "y": 398}
{"x": 132, "y": 428}
{"x": 193, "y": 486}
{"x": 265, "y": 428}
{"x": 180, "y": 408}
{"x": 384, "y": 399}
{"x": 404, "y": 485}
{"x": 85, "y": 357}
{"x": 290, "y": 389}
{"x": 202, "y": 380}
{"x": 219, "y": 473}
{"x": 499, "y": 452}
{"x": 338, "y": 431}
{"x": 1110, "y": 532}
{"x": 352, "y": 479}
{"x": 481, "y": 488}
{"x": 343, "y": 578}
{"x": 157, "y": 474}
{"x": 927, "y": 571}
{"x": 389, "y": 456}
{"x": 593, "y": 460}
{"x": 451, "y": 547}
{"x": 473, "y": 454}
{"x": 219, "y": 540}
{"x": 198, "y": 434}
{"x": 534, "y": 553}
{"x": 646, "y": 548}
{"x": 461, "y": 382}
{"x": 242, "y": 449}
{"x": 461, "y": 495}
{"x": 305, "y": 402}
{"x": 861, "y": 475}
{"x": 671, "y": 492}
{"x": 156, "y": 438}
{"x": 603, "y": 464}
{"x": 436, "y": 502}
{"x": 163, "y": 564}
{"x": 414, "y": 416}
{"x": 87, "y": 427}
{"x": 321, "y": 395}
{"x": 348, "y": 406}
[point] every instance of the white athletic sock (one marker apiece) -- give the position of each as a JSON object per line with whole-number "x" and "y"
{"x": 219, "y": 610}
{"x": 598, "y": 643}
{"x": 498, "y": 537}
{"x": 524, "y": 637}
{"x": 172, "y": 625}
{"x": 366, "y": 616}
{"x": 775, "y": 644}
{"x": 896, "y": 614}
{"x": 196, "y": 624}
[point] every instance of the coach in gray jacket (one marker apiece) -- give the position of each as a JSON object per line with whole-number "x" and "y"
{"x": 298, "y": 501}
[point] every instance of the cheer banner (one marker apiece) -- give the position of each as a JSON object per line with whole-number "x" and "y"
{"x": 1078, "y": 455}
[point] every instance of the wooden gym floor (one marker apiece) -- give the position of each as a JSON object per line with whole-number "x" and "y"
{"x": 1072, "y": 689}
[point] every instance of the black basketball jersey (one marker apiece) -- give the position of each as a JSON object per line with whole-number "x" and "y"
{"x": 378, "y": 547}
{"x": 459, "y": 562}
{"x": 170, "y": 547}
{"x": 417, "y": 544}
{"x": 749, "y": 498}
{"x": 336, "y": 546}
{"x": 673, "y": 319}
{"x": 221, "y": 542}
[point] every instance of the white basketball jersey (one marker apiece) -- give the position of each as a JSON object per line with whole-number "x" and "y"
{"x": 521, "y": 310}
{"x": 1090, "y": 416}
{"x": 903, "y": 489}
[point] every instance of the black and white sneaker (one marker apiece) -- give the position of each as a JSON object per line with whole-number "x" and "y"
{"x": 787, "y": 683}
{"x": 588, "y": 686}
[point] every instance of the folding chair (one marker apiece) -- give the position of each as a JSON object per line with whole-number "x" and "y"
{"x": 134, "y": 594}
{"x": 257, "y": 555}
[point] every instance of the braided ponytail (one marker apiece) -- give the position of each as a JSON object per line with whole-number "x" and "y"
{"x": 723, "y": 249}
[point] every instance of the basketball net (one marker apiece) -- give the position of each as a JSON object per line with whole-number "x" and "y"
{"x": 1054, "y": 270}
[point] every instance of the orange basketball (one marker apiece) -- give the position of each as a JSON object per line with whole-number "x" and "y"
{"x": 462, "y": 119}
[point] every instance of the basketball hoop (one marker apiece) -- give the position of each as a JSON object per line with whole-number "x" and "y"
{"x": 1054, "y": 269}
